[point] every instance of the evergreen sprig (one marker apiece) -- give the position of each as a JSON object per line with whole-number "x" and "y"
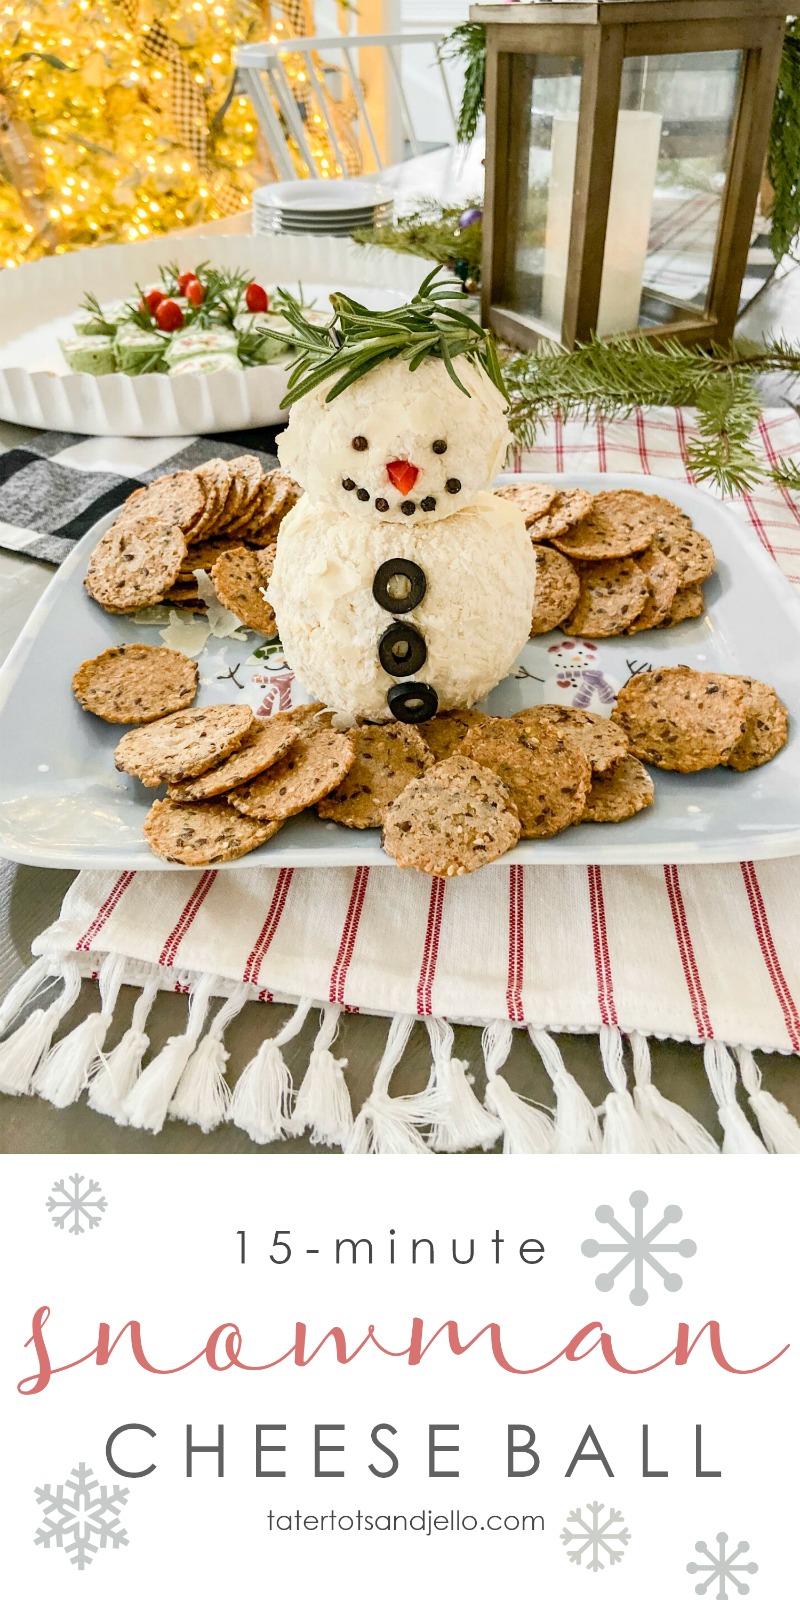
{"x": 614, "y": 378}
{"x": 356, "y": 340}
{"x": 467, "y": 44}
{"x": 432, "y": 231}
{"x": 783, "y": 160}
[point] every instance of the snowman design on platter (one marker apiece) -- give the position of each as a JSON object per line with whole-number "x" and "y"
{"x": 575, "y": 677}
{"x": 400, "y": 585}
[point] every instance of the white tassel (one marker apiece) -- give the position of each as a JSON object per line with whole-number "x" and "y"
{"x": 30, "y": 982}
{"x": 261, "y": 1101}
{"x": 387, "y": 1126}
{"x": 21, "y": 1053}
{"x": 202, "y": 1095}
{"x": 64, "y": 1075}
{"x": 526, "y": 1129}
{"x": 577, "y": 1130}
{"x": 116, "y": 1073}
{"x": 624, "y": 1131}
{"x": 740, "y": 1139}
{"x": 462, "y": 1122}
{"x": 148, "y": 1102}
{"x": 322, "y": 1105}
{"x": 673, "y": 1130}
{"x": 779, "y": 1129}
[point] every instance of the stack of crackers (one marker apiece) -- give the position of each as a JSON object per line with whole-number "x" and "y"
{"x": 450, "y": 795}
{"x": 611, "y": 563}
{"x": 221, "y": 518}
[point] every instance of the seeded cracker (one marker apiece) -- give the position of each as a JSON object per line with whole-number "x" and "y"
{"x": 135, "y": 683}
{"x": 682, "y": 720}
{"x": 601, "y": 740}
{"x": 455, "y": 818}
{"x": 766, "y": 726}
{"x": 613, "y": 593}
{"x": 621, "y": 522}
{"x": 175, "y": 497}
{"x": 265, "y": 743}
{"x": 557, "y": 589}
{"x": 183, "y": 745}
{"x": 134, "y": 564}
{"x": 662, "y": 578}
{"x": 619, "y": 795}
{"x": 547, "y": 775}
{"x": 387, "y": 757}
{"x": 239, "y": 575}
{"x": 569, "y": 506}
{"x": 316, "y": 763}
{"x": 688, "y": 603}
{"x": 445, "y": 733}
{"x": 533, "y": 499}
{"x": 203, "y": 834}
{"x": 692, "y": 553}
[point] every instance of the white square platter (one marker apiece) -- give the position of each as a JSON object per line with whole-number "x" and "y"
{"x": 62, "y": 803}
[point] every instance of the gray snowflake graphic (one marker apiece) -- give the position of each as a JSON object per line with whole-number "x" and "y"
{"x": 595, "y": 1537}
{"x": 80, "y": 1517}
{"x": 78, "y": 1204}
{"x": 724, "y": 1565}
{"x": 639, "y": 1249}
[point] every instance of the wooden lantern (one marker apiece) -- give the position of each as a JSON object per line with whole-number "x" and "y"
{"x": 625, "y": 142}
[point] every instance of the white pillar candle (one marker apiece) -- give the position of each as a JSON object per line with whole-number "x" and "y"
{"x": 629, "y": 212}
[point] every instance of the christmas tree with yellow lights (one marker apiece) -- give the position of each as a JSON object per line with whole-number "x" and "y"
{"x": 120, "y": 119}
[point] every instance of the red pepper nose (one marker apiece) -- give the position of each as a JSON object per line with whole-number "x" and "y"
{"x": 403, "y": 475}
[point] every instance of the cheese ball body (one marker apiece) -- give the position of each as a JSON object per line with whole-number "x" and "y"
{"x": 397, "y": 445}
{"x": 474, "y": 617}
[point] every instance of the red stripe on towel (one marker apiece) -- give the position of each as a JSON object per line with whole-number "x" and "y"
{"x": 252, "y": 966}
{"x": 430, "y": 953}
{"x": 347, "y": 942}
{"x": 687, "y": 955}
{"x": 516, "y": 943}
{"x": 185, "y": 920}
{"x": 767, "y": 946}
{"x": 123, "y": 882}
{"x": 602, "y": 959}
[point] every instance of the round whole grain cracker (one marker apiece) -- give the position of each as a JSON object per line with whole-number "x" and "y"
{"x": 204, "y": 833}
{"x": 184, "y": 744}
{"x": 680, "y": 719}
{"x": 620, "y": 522}
{"x": 568, "y": 508}
{"x": 619, "y": 795}
{"x": 214, "y": 477}
{"x": 446, "y": 731}
{"x": 557, "y": 589}
{"x": 135, "y": 683}
{"x": 766, "y": 726}
{"x": 280, "y": 494}
{"x": 174, "y": 497}
{"x": 692, "y": 553}
{"x": 613, "y": 593}
{"x": 315, "y": 764}
{"x": 533, "y": 499}
{"x": 688, "y": 603}
{"x": 387, "y": 756}
{"x": 456, "y": 817}
{"x": 134, "y": 564}
{"x": 546, "y": 774}
{"x": 662, "y": 577}
{"x": 264, "y": 744}
{"x": 239, "y": 575}
{"x": 602, "y": 741}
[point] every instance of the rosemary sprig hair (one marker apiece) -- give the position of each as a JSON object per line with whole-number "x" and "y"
{"x": 356, "y": 340}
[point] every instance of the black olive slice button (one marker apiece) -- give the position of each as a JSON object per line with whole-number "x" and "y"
{"x": 399, "y": 585}
{"x": 402, "y": 650}
{"x": 412, "y": 702}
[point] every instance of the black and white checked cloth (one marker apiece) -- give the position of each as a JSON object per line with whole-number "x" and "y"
{"x": 55, "y": 486}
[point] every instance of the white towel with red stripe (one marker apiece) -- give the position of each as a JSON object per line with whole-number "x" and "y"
{"x": 708, "y": 954}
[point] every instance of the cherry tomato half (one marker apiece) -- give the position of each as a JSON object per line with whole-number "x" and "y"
{"x": 152, "y": 300}
{"x": 184, "y": 279}
{"x": 169, "y": 316}
{"x": 256, "y": 298}
{"x": 195, "y": 292}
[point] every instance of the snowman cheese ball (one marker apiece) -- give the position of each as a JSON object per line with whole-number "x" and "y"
{"x": 401, "y": 587}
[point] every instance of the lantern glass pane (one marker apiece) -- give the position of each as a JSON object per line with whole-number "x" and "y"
{"x": 545, "y": 94}
{"x": 671, "y": 160}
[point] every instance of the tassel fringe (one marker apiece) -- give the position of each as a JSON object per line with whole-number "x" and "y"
{"x": 261, "y": 1104}
{"x": 527, "y": 1130}
{"x": 65, "y": 1073}
{"x": 148, "y": 1102}
{"x": 116, "y": 1074}
{"x": 202, "y": 1095}
{"x": 672, "y": 1130}
{"x": 22, "y": 1053}
{"x": 391, "y": 1126}
{"x": 322, "y": 1105}
{"x": 625, "y": 1133}
{"x": 779, "y": 1129}
{"x": 577, "y": 1128}
{"x": 740, "y": 1139}
{"x": 462, "y": 1122}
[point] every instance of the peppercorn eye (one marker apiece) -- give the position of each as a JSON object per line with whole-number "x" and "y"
{"x": 360, "y": 443}
{"x": 439, "y": 446}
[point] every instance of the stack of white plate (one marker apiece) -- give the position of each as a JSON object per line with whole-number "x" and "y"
{"x": 320, "y": 205}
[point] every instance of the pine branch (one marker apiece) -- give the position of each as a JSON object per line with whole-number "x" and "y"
{"x": 467, "y": 43}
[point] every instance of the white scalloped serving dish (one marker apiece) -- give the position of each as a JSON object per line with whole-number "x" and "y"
{"x": 38, "y": 390}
